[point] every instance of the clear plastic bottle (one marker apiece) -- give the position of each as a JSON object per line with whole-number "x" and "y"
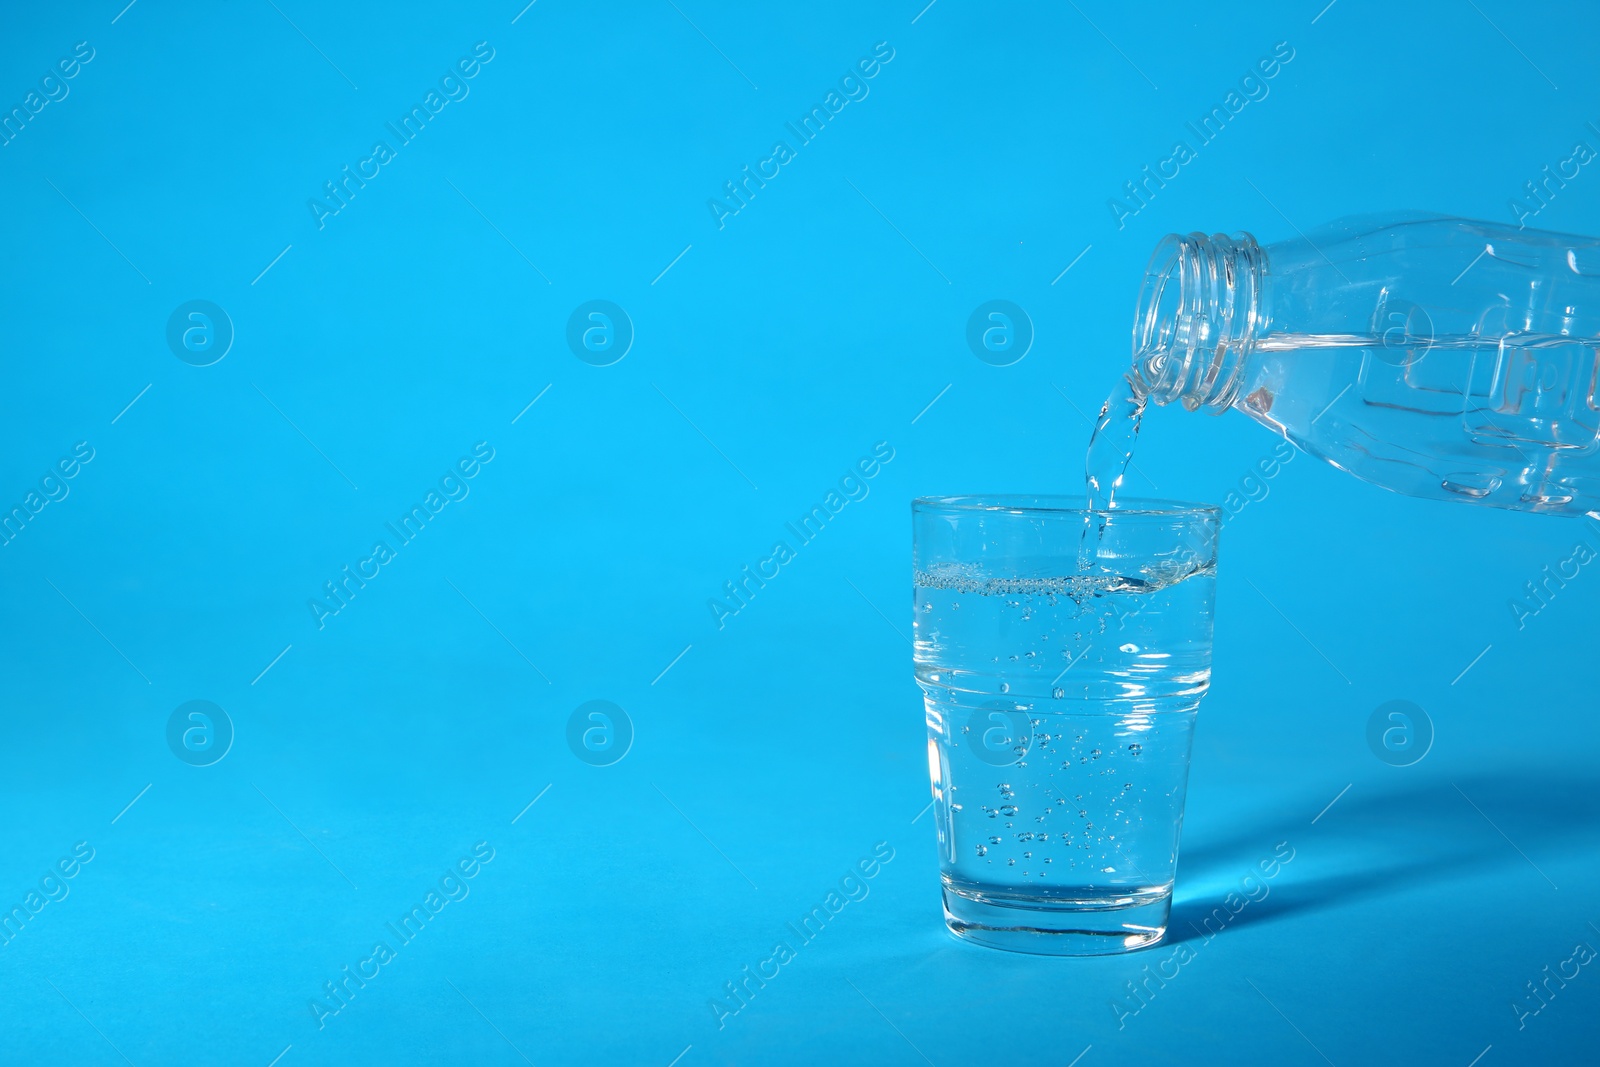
{"x": 1437, "y": 357}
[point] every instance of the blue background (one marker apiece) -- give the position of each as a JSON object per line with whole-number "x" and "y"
{"x": 772, "y": 754}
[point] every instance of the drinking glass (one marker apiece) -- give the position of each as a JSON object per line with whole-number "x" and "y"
{"x": 1062, "y": 655}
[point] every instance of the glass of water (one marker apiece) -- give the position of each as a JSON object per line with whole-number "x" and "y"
{"x": 1062, "y": 655}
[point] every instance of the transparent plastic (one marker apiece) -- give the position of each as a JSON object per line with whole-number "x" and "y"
{"x": 1437, "y": 357}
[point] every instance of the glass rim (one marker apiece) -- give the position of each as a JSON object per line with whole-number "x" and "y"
{"x": 1063, "y": 504}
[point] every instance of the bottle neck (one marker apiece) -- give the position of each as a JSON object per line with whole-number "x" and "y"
{"x": 1200, "y": 310}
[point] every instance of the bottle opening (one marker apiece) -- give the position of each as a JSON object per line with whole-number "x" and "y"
{"x": 1198, "y": 314}
{"x": 1160, "y": 303}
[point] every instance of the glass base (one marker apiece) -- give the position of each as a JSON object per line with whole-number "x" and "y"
{"x": 1057, "y": 927}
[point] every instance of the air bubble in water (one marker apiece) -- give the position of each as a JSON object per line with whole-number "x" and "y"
{"x": 1058, "y": 692}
